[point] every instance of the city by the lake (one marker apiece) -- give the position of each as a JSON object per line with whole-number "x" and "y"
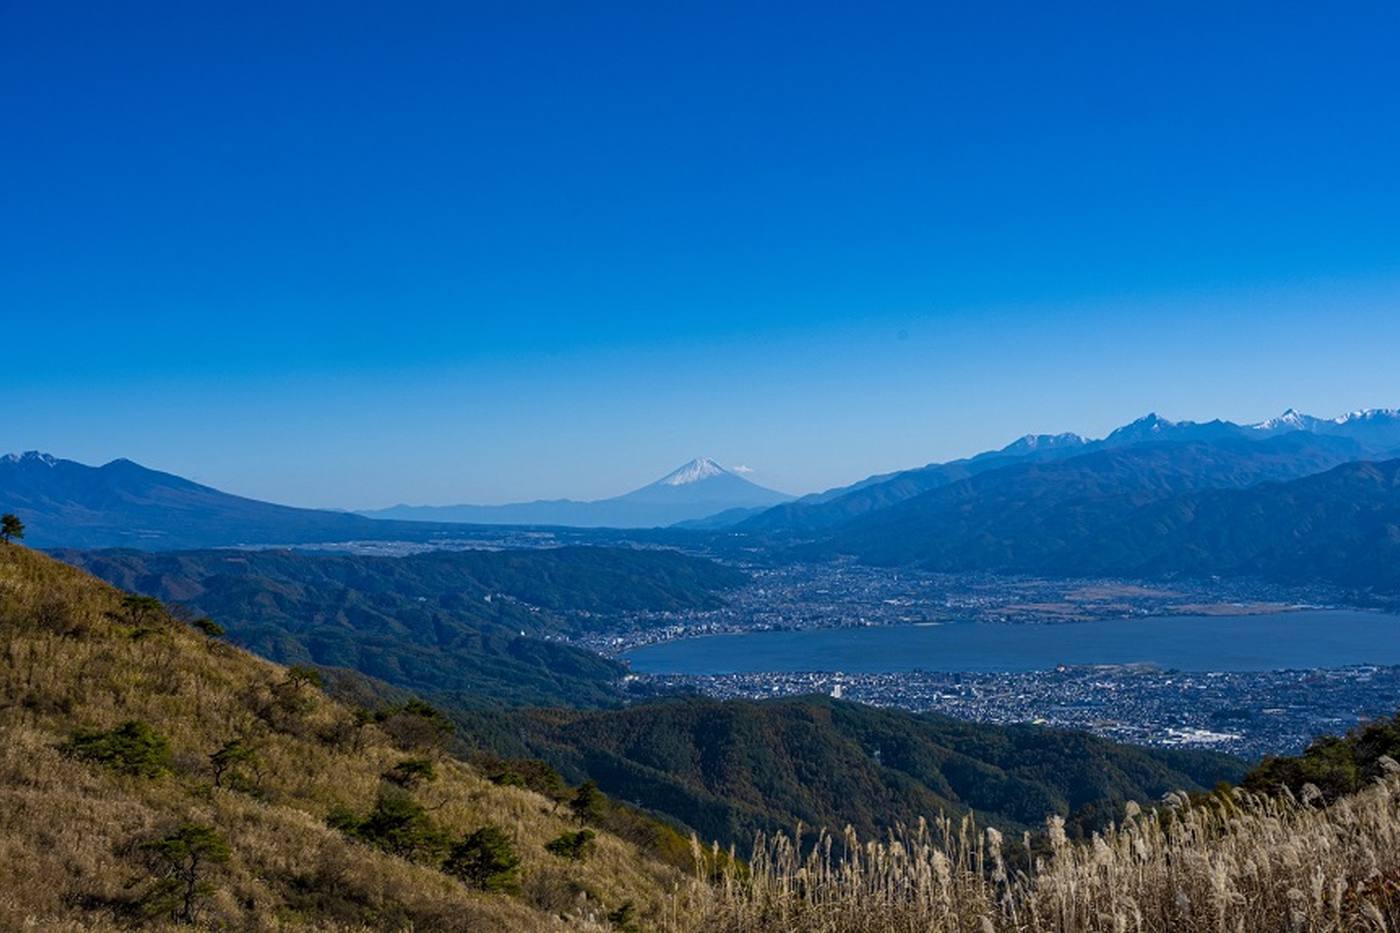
{"x": 1261, "y": 642}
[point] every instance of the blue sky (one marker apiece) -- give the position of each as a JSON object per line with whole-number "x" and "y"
{"x": 350, "y": 255}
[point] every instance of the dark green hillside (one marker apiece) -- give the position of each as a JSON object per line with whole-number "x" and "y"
{"x": 731, "y": 768}
{"x": 466, "y": 622}
{"x": 1124, "y": 514}
{"x": 1335, "y": 765}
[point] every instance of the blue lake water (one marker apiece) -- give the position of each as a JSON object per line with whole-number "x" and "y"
{"x": 1276, "y": 641}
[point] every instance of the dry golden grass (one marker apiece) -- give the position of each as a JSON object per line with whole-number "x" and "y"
{"x": 70, "y": 830}
{"x": 1229, "y": 863}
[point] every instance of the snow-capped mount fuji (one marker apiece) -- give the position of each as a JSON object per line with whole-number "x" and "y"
{"x": 696, "y": 490}
{"x": 697, "y": 470}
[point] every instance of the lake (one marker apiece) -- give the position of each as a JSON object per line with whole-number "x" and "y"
{"x": 1274, "y": 641}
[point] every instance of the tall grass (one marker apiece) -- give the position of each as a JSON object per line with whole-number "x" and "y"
{"x": 1230, "y": 861}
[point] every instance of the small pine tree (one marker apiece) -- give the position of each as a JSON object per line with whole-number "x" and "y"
{"x": 303, "y": 675}
{"x": 227, "y": 760}
{"x": 133, "y": 748}
{"x": 142, "y": 609}
{"x": 415, "y": 725}
{"x": 572, "y": 846}
{"x": 11, "y": 528}
{"x": 588, "y": 802}
{"x": 399, "y": 825}
{"x": 485, "y": 860}
{"x": 411, "y": 772}
{"x": 208, "y": 627}
{"x": 181, "y": 860}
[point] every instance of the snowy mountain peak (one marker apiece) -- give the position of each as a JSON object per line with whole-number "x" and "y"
{"x": 1032, "y": 442}
{"x": 694, "y": 471}
{"x": 1292, "y": 419}
{"x": 1145, "y": 428}
{"x": 1369, "y": 414}
{"x": 31, "y": 456}
{"x": 1152, "y": 422}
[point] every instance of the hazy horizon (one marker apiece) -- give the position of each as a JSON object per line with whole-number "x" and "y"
{"x": 340, "y": 258}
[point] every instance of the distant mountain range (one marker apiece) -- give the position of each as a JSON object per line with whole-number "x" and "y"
{"x": 123, "y": 504}
{"x": 1041, "y": 495}
{"x": 693, "y": 492}
{"x": 1368, "y": 434}
{"x": 1293, "y": 500}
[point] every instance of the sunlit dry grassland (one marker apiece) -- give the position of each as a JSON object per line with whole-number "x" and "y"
{"x": 72, "y": 656}
{"x": 1228, "y": 861}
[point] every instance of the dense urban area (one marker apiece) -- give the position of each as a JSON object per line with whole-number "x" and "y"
{"x": 1249, "y": 713}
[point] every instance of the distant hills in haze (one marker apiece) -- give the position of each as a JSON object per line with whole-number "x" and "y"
{"x": 1294, "y": 499}
{"x": 1142, "y": 500}
{"x": 1367, "y": 434}
{"x": 124, "y": 504}
{"x": 693, "y": 492}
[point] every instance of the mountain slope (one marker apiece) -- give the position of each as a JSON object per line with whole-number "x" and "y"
{"x": 468, "y": 621}
{"x": 1341, "y": 527}
{"x": 1371, "y": 433}
{"x": 1123, "y": 515}
{"x": 123, "y": 504}
{"x": 93, "y": 812}
{"x": 730, "y": 768}
{"x": 696, "y": 490}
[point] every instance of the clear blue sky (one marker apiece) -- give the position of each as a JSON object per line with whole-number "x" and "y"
{"x": 350, "y": 255}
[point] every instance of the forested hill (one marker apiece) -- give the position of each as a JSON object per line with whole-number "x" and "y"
{"x": 471, "y": 622}
{"x": 1105, "y": 514}
{"x": 730, "y": 768}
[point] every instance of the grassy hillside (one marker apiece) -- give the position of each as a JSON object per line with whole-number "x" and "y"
{"x": 131, "y": 743}
{"x": 732, "y": 768}
{"x": 1229, "y": 860}
{"x": 466, "y": 621}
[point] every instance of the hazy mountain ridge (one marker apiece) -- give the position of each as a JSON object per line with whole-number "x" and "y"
{"x": 123, "y": 504}
{"x": 1340, "y": 527}
{"x": 694, "y": 491}
{"x": 1370, "y": 433}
